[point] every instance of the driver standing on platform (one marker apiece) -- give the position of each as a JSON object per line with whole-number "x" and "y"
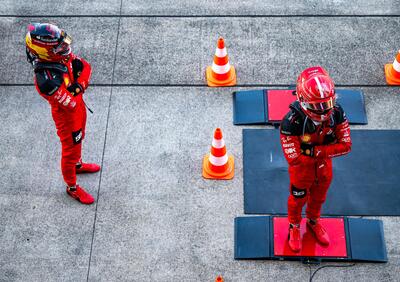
{"x": 313, "y": 132}
{"x": 62, "y": 78}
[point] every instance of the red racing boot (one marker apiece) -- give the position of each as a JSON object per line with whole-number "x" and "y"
{"x": 294, "y": 237}
{"x": 80, "y": 195}
{"x": 319, "y": 231}
{"x": 87, "y": 168}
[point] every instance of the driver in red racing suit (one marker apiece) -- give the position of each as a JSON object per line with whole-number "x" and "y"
{"x": 61, "y": 78}
{"x": 312, "y": 132}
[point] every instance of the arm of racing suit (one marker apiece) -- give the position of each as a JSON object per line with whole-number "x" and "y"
{"x": 51, "y": 86}
{"x": 290, "y": 132}
{"x": 342, "y": 146}
{"x": 82, "y": 71}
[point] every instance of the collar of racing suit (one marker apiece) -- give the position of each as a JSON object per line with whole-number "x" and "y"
{"x": 50, "y": 66}
{"x": 309, "y": 126}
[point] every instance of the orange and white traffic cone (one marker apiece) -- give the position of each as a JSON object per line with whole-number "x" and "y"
{"x": 392, "y": 71}
{"x": 219, "y": 279}
{"x": 221, "y": 73}
{"x": 217, "y": 164}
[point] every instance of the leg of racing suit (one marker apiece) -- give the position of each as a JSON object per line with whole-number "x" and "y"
{"x": 72, "y": 152}
{"x": 318, "y": 191}
{"x": 302, "y": 178}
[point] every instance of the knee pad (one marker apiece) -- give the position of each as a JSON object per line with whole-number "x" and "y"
{"x": 297, "y": 192}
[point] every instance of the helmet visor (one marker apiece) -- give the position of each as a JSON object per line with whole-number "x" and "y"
{"x": 321, "y": 108}
{"x": 63, "y": 48}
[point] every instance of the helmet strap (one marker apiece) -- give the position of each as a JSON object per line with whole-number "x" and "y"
{"x": 316, "y": 122}
{"x": 30, "y": 57}
{"x": 303, "y": 106}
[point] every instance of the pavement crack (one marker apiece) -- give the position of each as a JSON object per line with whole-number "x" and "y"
{"x": 105, "y": 142}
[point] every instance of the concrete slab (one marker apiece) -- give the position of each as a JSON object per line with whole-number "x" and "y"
{"x": 158, "y": 219}
{"x": 59, "y": 7}
{"x": 44, "y": 238}
{"x": 163, "y": 132}
{"x": 97, "y": 47}
{"x": 259, "y": 7}
{"x": 36, "y": 269}
{"x": 30, "y": 150}
{"x": 263, "y": 50}
{"x": 163, "y": 208}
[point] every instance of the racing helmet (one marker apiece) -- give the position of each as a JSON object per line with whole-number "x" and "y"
{"x": 315, "y": 92}
{"x": 47, "y": 42}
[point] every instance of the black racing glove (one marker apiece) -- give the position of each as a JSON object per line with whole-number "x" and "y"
{"x": 330, "y": 139}
{"x": 75, "y": 89}
{"x": 77, "y": 67}
{"x": 307, "y": 149}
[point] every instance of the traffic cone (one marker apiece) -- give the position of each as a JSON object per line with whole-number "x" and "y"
{"x": 221, "y": 73}
{"x": 217, "y": 164}
{"x": 392, "y": 71}
{"x": 219, "y": 279}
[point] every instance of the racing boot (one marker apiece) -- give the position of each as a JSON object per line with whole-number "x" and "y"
{"x": 78, "y": 193}
{"x": 294, "y": 237}
{"x": 319, "y": 231}
{"x": 87, "y": 168}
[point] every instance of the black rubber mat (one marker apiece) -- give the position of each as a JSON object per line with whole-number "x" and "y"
{"x": 250, "y": 107}
{"x": 252, "y": 237}
{"x": 365, "y": 182}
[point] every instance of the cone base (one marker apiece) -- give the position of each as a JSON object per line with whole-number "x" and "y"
{"x": 226, "y": 175}
{"x": 212, "y": 82}
{"x": 390, "y": 79}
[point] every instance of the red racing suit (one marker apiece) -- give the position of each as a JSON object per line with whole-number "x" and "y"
{"x": 308, "y": 148}
{"x": 53, "y": 81}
